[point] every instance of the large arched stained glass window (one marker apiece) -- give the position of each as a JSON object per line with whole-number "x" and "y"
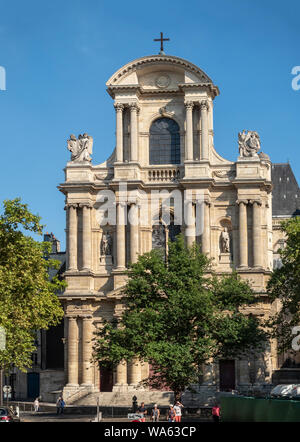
{"x": 164, "y": 145}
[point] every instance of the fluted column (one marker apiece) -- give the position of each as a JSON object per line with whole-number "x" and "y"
{"x": 206, "y": 229}
{"x": 189, "y": 130}
{"x": 204, "y": 130}
{"x": 256, "y": 233}
{"x": 119, "y": 132}
{"x": 86, "y": 237}
{"x": 87, "y": 324}
{"x": 120, "y": 233}
{"x": 133, "y": 132}
{"x": 72, "y": 237}
{"x": 190, "y": 224}
{"x": 243, "y": 233}
{"x": 134, "y": 233}
{"x": 72, "y": 351}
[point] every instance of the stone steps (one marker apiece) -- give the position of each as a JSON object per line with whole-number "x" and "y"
{"x": 125, "y": 399}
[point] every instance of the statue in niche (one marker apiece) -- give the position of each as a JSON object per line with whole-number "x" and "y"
{"x": 106, "y": 245}
{"x": 225, "y": 241}
{"x": 81, "y": 148}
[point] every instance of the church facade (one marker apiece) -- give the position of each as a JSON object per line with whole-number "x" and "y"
{"x": 164, "y": 152}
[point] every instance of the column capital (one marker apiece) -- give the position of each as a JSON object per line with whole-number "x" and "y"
{"x": 207, "y": 203}
{"x": 119, "y": 107}
{"x": 204, "y": 105}
{"x": 134, "y": 107}
{"x": 189, "y": 105}
{"x": 258, "y": 202}
{"x": 85, "y": 205}
{"x": 71, "y": 205}
{"x": 241, "y": 201}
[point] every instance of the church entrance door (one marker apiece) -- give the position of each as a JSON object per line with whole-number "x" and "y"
{"x": 106, "y": 379}
{"x": 227, "y": 375}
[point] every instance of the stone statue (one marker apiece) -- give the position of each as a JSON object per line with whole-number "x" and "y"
{"x": 81, "y": 147}
{"x": 106, "y": 245}
{"x": 249, "y": 143}
{"x": 225, "y": 241}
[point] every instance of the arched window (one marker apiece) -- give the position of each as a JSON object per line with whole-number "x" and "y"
{"x": 164, "y": 145}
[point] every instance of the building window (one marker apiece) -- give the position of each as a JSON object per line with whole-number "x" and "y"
{"x": 164, "y": 145}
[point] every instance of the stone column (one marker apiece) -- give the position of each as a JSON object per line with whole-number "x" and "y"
{"x": 72, "y": 237}
{"x": 189, "y": 130}
{"x": 72, "y": 352}
{"x": 121, "y": 372}
{"x": 119, "y": 132}
{"x": 86, "y": 237}
{"x": 204, "y": 130}
{"x": 135, "y": 373}
{"x": 120, "y": 233}
{"x": 134, "y": 233}
{"x": 133, "y": 132}
{"x": 243, "y": 233}
{"x": 87, "y": 335}
{"x": 206, "y": 229}
{"x": 190, "y": 224}
{"x": 257, "y": 242}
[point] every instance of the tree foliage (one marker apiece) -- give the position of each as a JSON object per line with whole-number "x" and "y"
{"x": 284, "y": 286}
{"x": 28, "y": 299}
{"x": 178, "y": 316}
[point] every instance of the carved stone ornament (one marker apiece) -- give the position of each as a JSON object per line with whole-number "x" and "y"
{"x": 164, "y": 112}
{"x": 249, "y": 143}
{"x": 223, "y": 173}
{"x": 162, "y": 81}
{"x": 81, "y": 148}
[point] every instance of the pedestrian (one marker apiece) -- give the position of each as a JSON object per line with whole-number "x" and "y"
{"x": 142, "y": 410}
{"x": 62, "y": 405}
{"x": 171, "y": 414}
{"x": 178, "y": 413}
{"x": 216, "y": 412}
{"x": 36, "y": 405}
{"x": 155, "y": 414}
{"x": 58, "y": 405}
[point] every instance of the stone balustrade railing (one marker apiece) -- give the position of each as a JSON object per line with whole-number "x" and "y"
{"x": 164, "y": 174}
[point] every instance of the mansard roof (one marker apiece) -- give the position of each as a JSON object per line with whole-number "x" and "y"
{"x": 286, "y": 192}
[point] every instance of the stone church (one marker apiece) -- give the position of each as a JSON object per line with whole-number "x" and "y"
{"x": 164, "y": 142}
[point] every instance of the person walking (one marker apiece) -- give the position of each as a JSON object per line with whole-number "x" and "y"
{"x": 216, "y": 412}
{"x": 58, "y": 405}
{"x": 155, "y": 414}
{"x": 62, "y": 405}
{"x": 36, "y": 405}
{"x": 178, "y": 413}
{"x": 142, "y": 410}
{"x": 171, "y": 414}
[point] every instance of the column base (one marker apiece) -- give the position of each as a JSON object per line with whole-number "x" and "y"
{"x": 72, "y": 386}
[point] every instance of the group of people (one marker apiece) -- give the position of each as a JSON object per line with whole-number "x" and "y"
{"x": 174, "y": 413}
{"x": 60, "y": 405}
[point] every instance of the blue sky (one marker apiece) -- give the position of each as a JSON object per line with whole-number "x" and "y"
{"x": 59, "y": 54}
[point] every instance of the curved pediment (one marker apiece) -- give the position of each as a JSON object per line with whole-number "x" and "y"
{"x": 159, "y": 72}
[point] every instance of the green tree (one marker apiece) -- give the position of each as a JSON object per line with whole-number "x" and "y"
{"x": 28, "y": 299}
{"x": 284, "y": 286}
{"x": 177, "y": 317}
